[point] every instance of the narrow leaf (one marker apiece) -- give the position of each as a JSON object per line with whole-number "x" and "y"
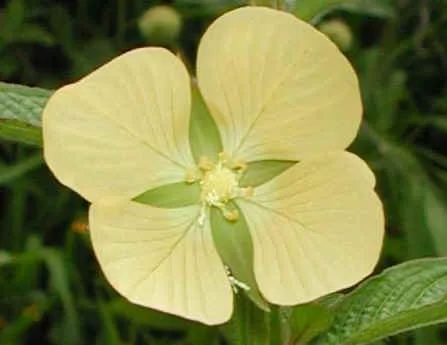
{"x": 9, "y": 173}
{"x": 111, "y": 332}
{"x": 373, "y": 8}
{"x": 59, "y": 280}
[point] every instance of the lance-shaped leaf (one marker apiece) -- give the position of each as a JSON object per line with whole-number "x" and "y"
{"x": 404, "y": 297}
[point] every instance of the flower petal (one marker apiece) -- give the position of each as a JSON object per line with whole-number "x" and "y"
{"x": 316, "y": 228}
{"x": 122, "y": 129}
{"x": 162, "y": 259}
{"x": 276, "y": 87}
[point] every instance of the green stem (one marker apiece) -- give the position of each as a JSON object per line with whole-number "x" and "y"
{"x": 249, "y": 325}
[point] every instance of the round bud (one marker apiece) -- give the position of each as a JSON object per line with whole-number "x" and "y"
{"x": 160, "y": 25}
{"x": 338, "y": 32}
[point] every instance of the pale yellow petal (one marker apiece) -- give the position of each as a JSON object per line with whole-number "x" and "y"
{"x": 316, "y": 228}
{"x": 122, "y": 129}
{"x": 162, "y": 259}
{"x": 277, "y": 88}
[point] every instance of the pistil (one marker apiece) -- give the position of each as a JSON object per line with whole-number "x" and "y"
{"x": 220, "y": 184}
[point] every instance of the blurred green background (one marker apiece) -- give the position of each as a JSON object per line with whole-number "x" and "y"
{"x": 51, "y": 290}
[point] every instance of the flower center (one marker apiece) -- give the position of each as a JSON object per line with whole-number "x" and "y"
{"x": 220, "y": 184}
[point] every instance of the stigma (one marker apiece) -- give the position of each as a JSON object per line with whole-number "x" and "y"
{"x": 220, "y": 184}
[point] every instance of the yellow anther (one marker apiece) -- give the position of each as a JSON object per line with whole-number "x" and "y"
{"x": 220, "y": 184}
{"x": 231, "y": 215}
{"x": 224, "y": 158}
{"x": 205, "y": 164}
{"x": 191, "y": 176}
{"x": 239, "y": 164}
{"x": 247, "y": 192}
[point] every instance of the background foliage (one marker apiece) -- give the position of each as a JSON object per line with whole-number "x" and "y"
{"x": 51, "y": 290}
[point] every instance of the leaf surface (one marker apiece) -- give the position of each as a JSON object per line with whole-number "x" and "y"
{"x": 404, "y": 297}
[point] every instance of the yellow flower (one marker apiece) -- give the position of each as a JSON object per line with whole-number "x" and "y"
{"x": 278, "y": 90}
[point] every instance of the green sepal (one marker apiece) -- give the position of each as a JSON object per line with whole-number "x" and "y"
{"x": 204, "y": 136}
{"x": 260, "y": 172}
{"x": 234, "y": 245}
{"x": 173, "y": 195}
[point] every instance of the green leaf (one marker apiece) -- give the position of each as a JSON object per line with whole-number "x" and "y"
{"x": 13, "y": 18}
{"x": 309, "y": 9}
{"x": 260, "y": 172}
{"x": 32, "y": 33}
{"x": 15, "y": 331}
{"x": 434, "y": 208}
{"x": 384, "y": 87}
{"x": 22, "y": 103}
{"x": 248, "y": 326}
{"x": 313, "y": 10}
{"x": 234, "y": 245}
{"x": 110, "y": 329}
{"x": 147, "y": 317}
{"x": 9, "y": 173}
{"x": 438, "y": 122}
{"x": 307, "y": 321}
{"x": 20, "y": 112}
{"x": 374, "y": 8}
{"x": 173, "y": 195}
{"x": 59, "y": 281}
{"x": 156, "y": 320}
{"x": 20, "y": 132}
{"x": 404, "y": 297}
{"x": 204, "y": 136}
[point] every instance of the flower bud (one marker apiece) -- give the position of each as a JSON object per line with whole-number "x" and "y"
{"x": 160, "y": 25}
{"x": 338, "y": 32}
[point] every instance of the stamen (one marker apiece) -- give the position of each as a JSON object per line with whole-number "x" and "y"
{"x": 191, "y": 176}
{"x": 205, "y": 164}
{"x": 220, "y": 184}
{"x": 231, "y": 215}
{"x": 240, "y": 165}
{"x": 224, "y": 158}
{"x": 247, "y": 192}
